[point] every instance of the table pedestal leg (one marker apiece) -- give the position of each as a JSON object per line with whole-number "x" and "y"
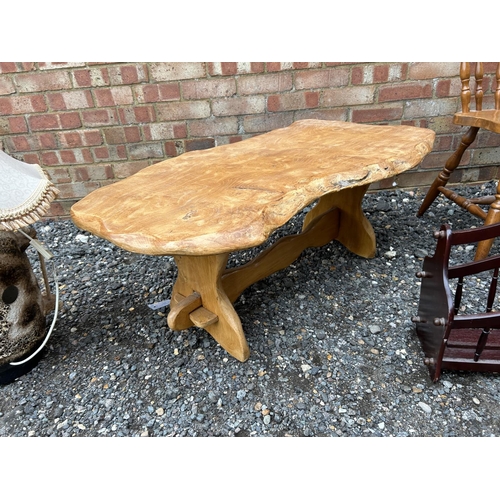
{"x": 198, "y": 298}
{"x": 205, "y": 289}
{"x": 355, "y": 231}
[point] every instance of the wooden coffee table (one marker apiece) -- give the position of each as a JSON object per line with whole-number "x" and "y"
{"x": 201, "y": 206}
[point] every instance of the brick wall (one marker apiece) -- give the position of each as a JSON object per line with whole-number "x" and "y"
{"x": 89, "y": 124}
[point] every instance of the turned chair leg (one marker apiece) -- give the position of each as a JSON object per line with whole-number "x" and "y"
{"x": 444, "y": 176}
{"x": 493, "y": 217}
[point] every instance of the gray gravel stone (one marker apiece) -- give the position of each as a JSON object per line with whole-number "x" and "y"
{"x": 333, "y": 349}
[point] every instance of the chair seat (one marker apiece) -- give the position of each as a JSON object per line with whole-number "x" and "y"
{"x": 488, "y": 119}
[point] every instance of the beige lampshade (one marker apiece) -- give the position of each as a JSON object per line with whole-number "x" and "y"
{"x": 25, "y": 193}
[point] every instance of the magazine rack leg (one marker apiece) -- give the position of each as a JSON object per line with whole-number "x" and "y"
{"x": 450, "y": 338}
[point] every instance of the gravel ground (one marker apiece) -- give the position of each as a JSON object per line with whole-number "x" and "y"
{"x": 333, "y": 349}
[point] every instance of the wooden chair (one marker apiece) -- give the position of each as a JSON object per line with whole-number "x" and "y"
{"x": 450, "y": 338}
{"x": 488, "y": 119}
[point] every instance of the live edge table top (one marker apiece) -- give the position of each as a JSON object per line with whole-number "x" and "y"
{"x": 203, "y": 205}
{"x": 232, "y": 197}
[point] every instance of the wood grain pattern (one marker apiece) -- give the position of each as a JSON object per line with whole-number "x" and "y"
{"x": 488, "y": 119}
{"x": 232, "y": 197}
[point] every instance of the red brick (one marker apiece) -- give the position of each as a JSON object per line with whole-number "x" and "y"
{"x": 234, "y": 68}
{"x": 32, "y": 158}
{"x": 273, "y": 66}
{"x": 264, "y": 84}
{"x": 337, "y": 77}
{"x": 339, "y": 114}
{"x": 6, "y": 86}
{"x": 415, "y": 123}
{"x": 78, "y": 138}
{"x": 22, "y": 143}
{"x": 101, "y": 153}
{"x": 488, "y": 139}
{"x": 371, "y": 115}
{"x": 92, "y": 137}
{"x": 128, "y": 74}
{"x": 59, "y": 65}
{"x": 162, "y": 131}
{"x": 213, "y": 127}
{"x": 118, "y": 152}
{"x": 430, "y": 107}
{"x": 171, "y": 149}
{"x": 82, "y": 78}
{"x": 349, "y": 96}
{"x": 44, "y": 122}
{"x": 256, "y": 124}
{"x": 18, "y": 124}
{"x": 180, "y": 130}
{"x": 50, "y": 158}
{"x": 114, "y": 96}
{"x": 70, "y": 120}
{"x": 293, "y": 101}
{"x": 115, "y": 135}
{"x": 77, "y": 190}
{"x": 196, "y": 144}
{"x": 442, "y": 143}
{"x": 185, "y": 110}
{"x": 122, "y": 135}
{"x": 67, "y": 156}
{"x": 176, "y": 71}
{"x": 443, "y": 124}
{"x": 16, "y": 105}
{"x": 143, "y": 150}
{"x": 47, "y": 140}
{"x": 132, "y": 134}
{"x": 59, "y": 175}
{"x": 339, "y": 63}
{"x": 131, "y": 75}
{"x": 443, "y": 88}
{"x": 257, "y": 67}
{"x": 239, "y": 106}
{"x": 99, "y": 77}
{"x": 138, "y": 114}
{"x": 104, "y": 97}
{"x": 84, "y": 156}
{"x": 99, "y": 117}
{"x": 57, "y": 210}
{"x": 8, "y": 67}
{"x": 40, "y": 82}
{"x": 4, "y": 128}
{"x": 122, "y": 96}
{"x": 158, "y": 92}
{"x": 71, "y": 139}
{"x": 229, "y": 68}
{"x": 206, "y": 89}
{"x": 127, "y": 169}
{"x": 78, "y": 99}
{"x": 429, "y": 70}
{"x": 93, "y": 172}
{"x": 80, "y": 174}
{"x": 404, "y": 91}
{"x": 312, "y": 99}
{"x": 381, "y": 73}
{"x": 357, "y": 75}
{"x": 438, "y": 159}
{"x": 305, "y": 65}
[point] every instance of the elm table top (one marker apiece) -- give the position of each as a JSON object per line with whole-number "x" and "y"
{"x": 232, "y": 197}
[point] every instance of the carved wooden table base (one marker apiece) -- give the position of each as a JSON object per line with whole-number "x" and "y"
{"x": 205, "y": 290}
